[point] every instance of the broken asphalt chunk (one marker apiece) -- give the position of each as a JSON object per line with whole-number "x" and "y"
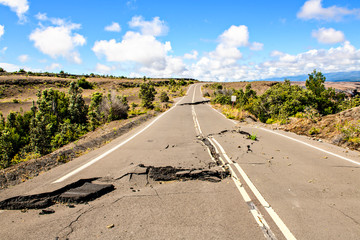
{"x": 85, "y": 193}
{"x": 47, "y": 211}
{"x": 45, "y": 200}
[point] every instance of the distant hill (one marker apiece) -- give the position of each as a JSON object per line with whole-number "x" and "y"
{"x": 353, "y": 76}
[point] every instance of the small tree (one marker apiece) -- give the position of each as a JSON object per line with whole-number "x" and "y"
{"x": 147, "y": 95}
{"x": 1, "y": 69}
{"x": 315, "y": 83}
{"x": 164, "y": 97}
{"x": 77, "y": 108}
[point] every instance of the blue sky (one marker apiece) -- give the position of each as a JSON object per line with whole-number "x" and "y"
{"x": 207, "y": 40}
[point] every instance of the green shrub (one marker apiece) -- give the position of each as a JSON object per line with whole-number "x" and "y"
{"x": 314, "y": 131}
{"x": 164, "y": 97}
{"x": 85, "y": 84}
{"x": 147, "y": 95}
{"x": 270, "y": 121}
{"x": 253, "y": 137}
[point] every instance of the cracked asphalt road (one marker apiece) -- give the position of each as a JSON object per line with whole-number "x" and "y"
{"x": 315, "y": 197}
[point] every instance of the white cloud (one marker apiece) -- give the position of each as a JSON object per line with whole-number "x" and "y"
{"x": 255, "y": 46}
{"x": 18, "y": 6}
{"x": 41, "y": 16}
{"x": 313, "y": 9}
{"x": 235, "y": 36}
{"x": 23, "y": 58}
{"x": 59, "y": 41}
{"x": 156, "y": 27}
{"x": 9, "y": 67}
{"x": 211, "y": 68}
{"x": 101, "y": 68}
{"x": 53, "y": 66}
{"x": 328, "y": 35}
{"x": 343, "y": 58}
{"x": 172, "y": 66}
{"x": 141, "y": 51}
{"x": 114, "y": 27}
{"x": 193, "y": 55}
{"x": 134, "y": 47}
{"x": 222, "y": 64}
{"x": 2, "y": 30}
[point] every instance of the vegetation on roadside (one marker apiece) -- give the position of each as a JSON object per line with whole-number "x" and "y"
{"x": 58, "y": 118}
{"x": 283, "y": 101}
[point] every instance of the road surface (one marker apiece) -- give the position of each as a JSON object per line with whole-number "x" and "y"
{"x": 282, "y": 186}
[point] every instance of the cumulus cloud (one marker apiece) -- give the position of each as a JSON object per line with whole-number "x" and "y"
{"x": 328, "y": 35}
{"x": 193, "y": 55}
{"x": 343, "y": 58}
{"x": 235, "y": 36}
{"x": 340, "y": 59}
{"x": 171, "y": 66}
{"x": 58, "y": 40}
{"x": 156, "y": 27}
{"x": 313, "y": 9}
{"x": 23, "y": 58}
{"x": 20, "y": 7}
{"x": 2, "y": 30}
{"x": 135, "y": 47}
{"x": 141, "y": 51}
{"x": 114, "y": 27}
{"x": 222, "y": 64}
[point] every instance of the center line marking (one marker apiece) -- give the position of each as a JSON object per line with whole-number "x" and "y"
{"x": 253, "y": 209}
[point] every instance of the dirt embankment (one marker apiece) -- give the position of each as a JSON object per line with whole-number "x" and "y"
{"x": 342, "y": 129}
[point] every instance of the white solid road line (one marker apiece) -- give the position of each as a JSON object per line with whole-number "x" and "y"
{"x": 118, "y": 146}
{"x": 253, "y": 209}
{"x": 309, "y": 145}
{"x": 283, "y": 228}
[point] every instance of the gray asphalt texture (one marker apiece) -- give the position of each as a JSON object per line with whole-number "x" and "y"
{"x": 315, "y": 194}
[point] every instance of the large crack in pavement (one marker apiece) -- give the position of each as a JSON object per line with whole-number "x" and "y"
{"x": 85, "y": 190}
{"x": 195, "y": 103}
{"x": 231, "y": 131}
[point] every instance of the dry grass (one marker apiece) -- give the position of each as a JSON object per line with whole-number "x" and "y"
{"x": 24, "y": 88}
